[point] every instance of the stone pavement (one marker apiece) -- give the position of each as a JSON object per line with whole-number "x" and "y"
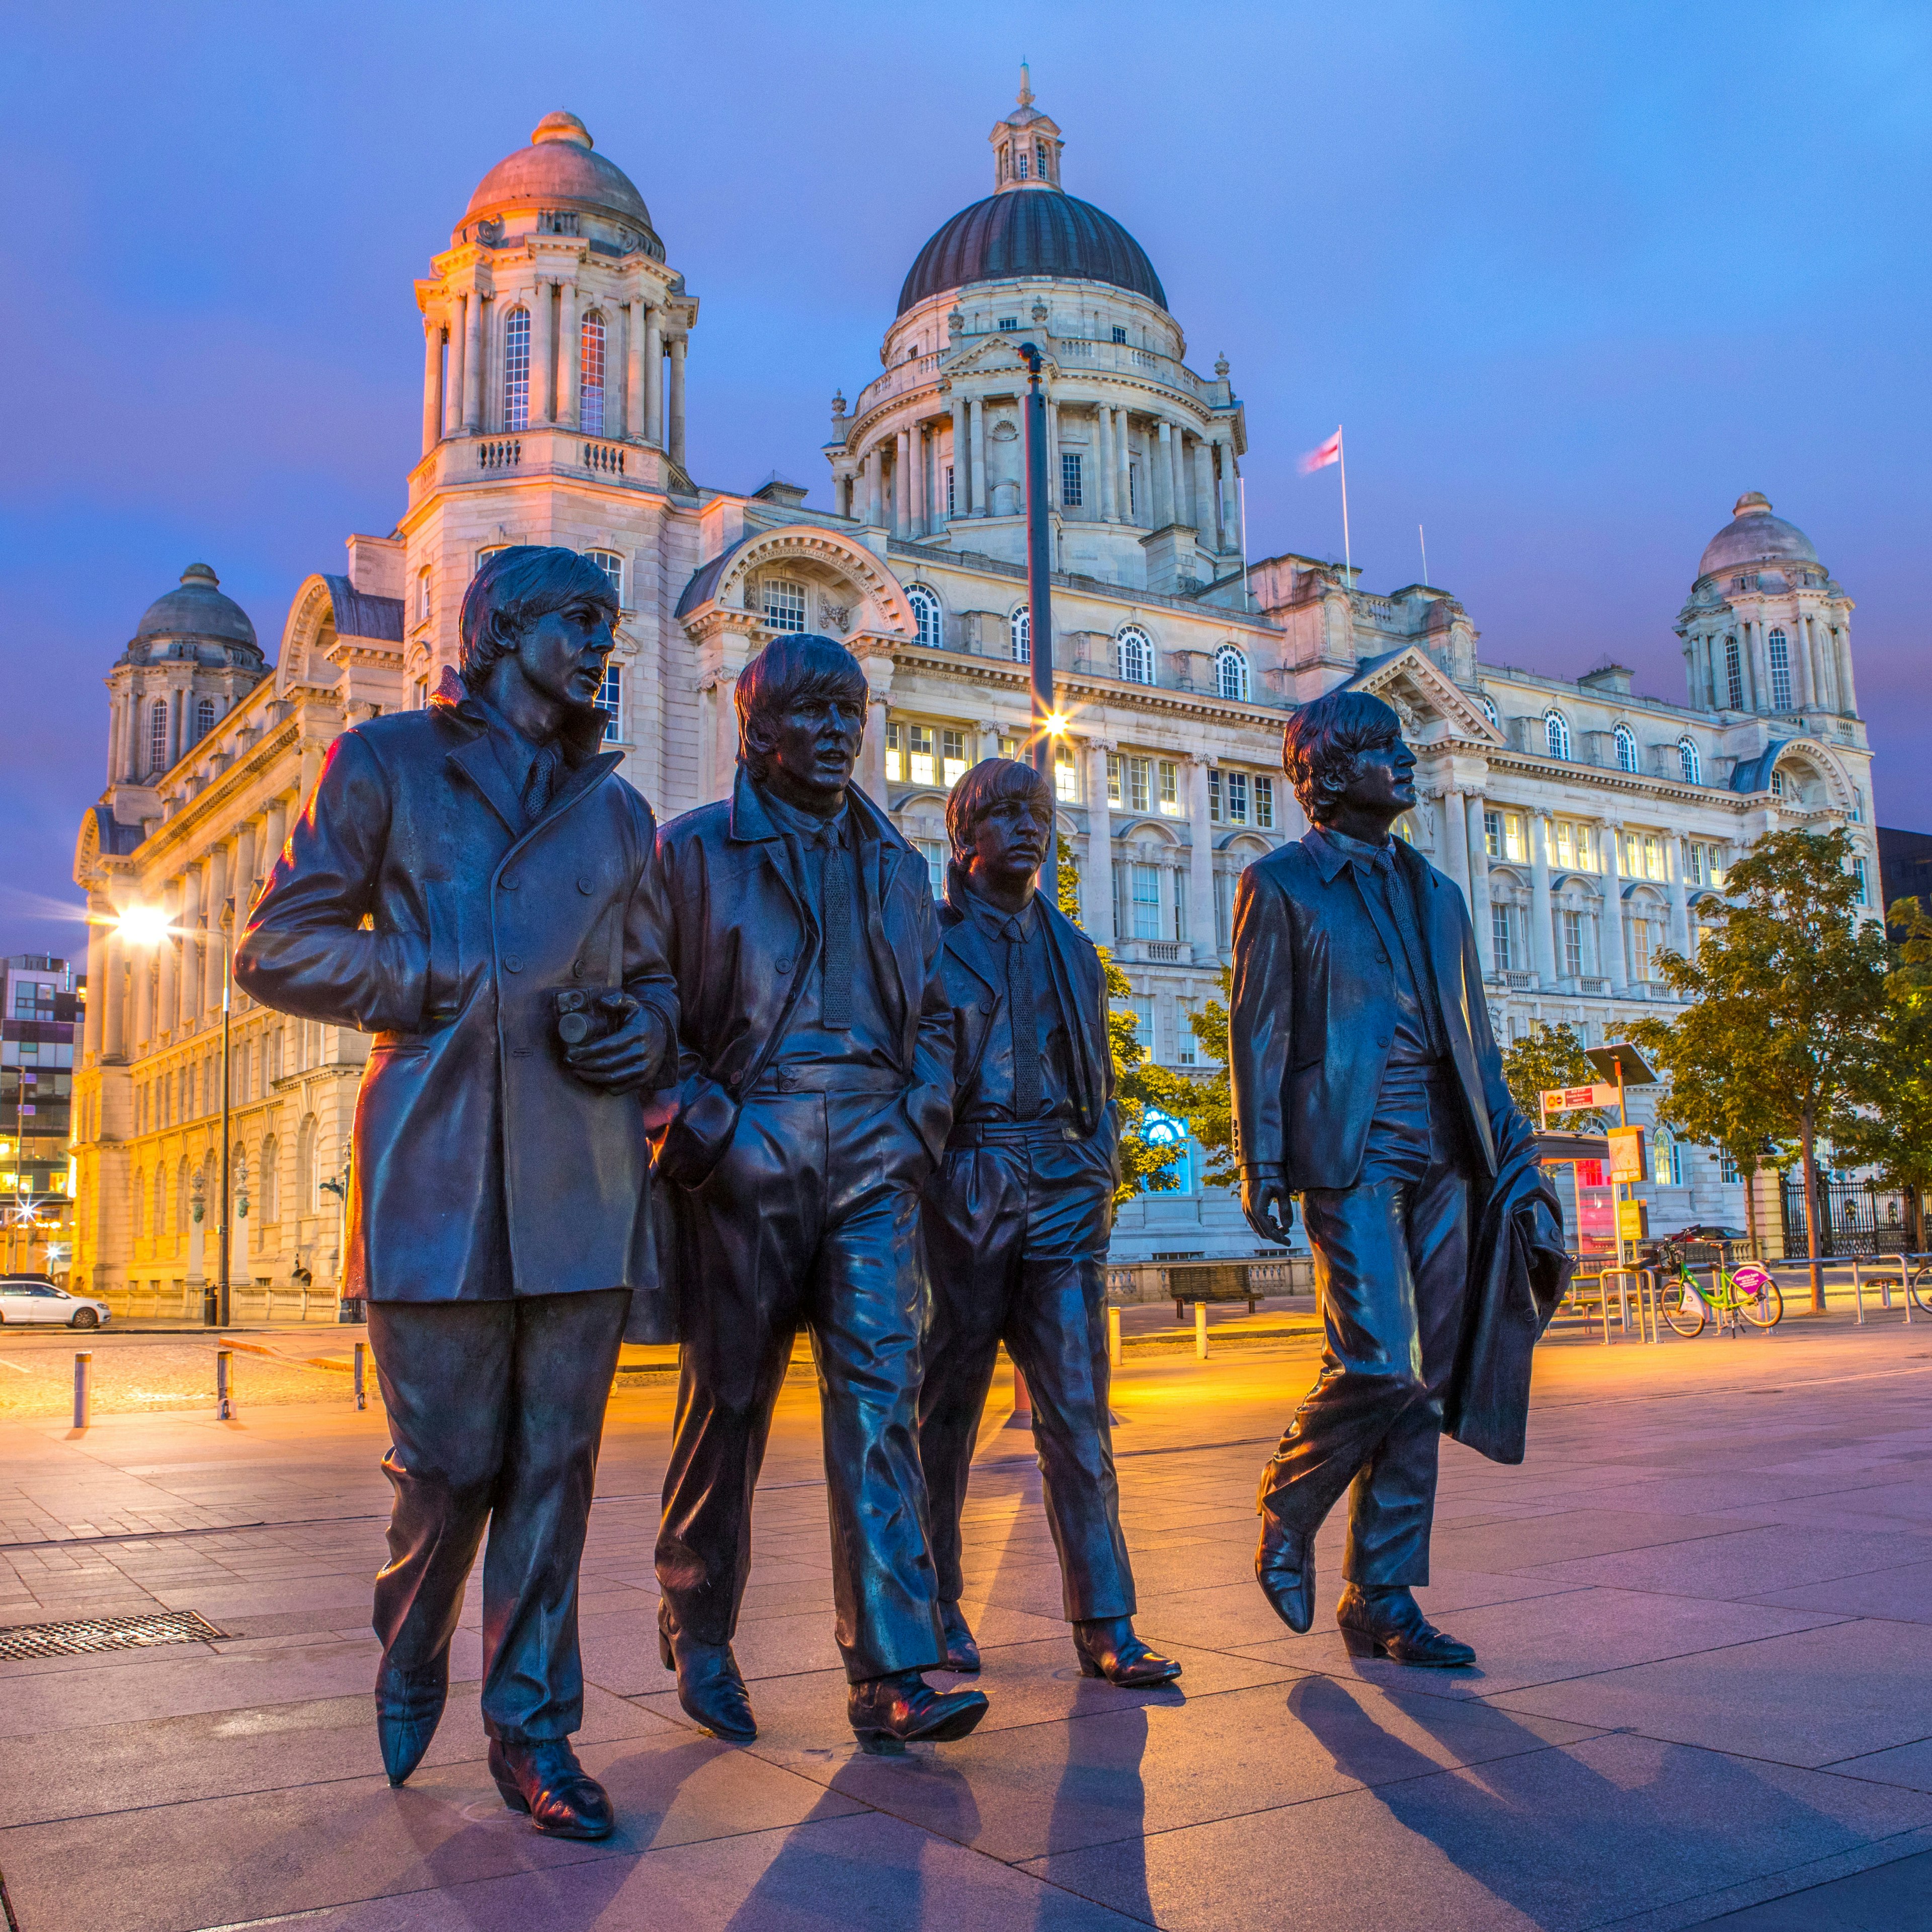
{"x": 1702, "y": 1609}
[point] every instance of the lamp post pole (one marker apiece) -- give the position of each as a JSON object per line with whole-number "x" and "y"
{"x": 1040, "y": 568}
{"x": 215, "y": 1307}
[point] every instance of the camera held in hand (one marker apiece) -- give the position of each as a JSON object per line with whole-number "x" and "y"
{"x": 584, "y": 1016}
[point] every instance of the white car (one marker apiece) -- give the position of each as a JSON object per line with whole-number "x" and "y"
{"x": 32, "y": 1297}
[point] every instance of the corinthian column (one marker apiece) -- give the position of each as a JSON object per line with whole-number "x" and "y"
{"x": 432, "y": 400}
{"x": 543, "y": 355}
{"x": 570, "y": 361}
{"x": 1201, "y": 861}
{"x": 1096, "y": 895}
{"x": 472, "y": 362}
{"x": 675, "y": 452}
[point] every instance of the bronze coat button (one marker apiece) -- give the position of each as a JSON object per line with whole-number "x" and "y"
{"x": 513, "y": 962}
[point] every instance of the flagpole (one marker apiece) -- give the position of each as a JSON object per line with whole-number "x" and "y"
{"x": 1423, "y": 541}
{"x": 1342, "y": 455}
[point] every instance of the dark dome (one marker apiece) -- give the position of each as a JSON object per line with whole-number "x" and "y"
{"x": 1030, "y": 231}
{"x": 197, "y": 609}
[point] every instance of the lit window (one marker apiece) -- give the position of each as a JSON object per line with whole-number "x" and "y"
{"x": 1113, "y": 778}
{"x": 1777, "y": 650}
{"x": 1066, "y": 775}
{"x": 933, "y": 851}
{"x": 1146, "y": 901}
{"x": 1137, "y": 783}
{"x": 1230, "y": 674}
{"x": 1626, "y": 749}
{"x": 1688, "y": 763}
{"x": 895, "y": 753}
{"x": 1513, "y": 847}
{"x": 1019, "y": 628}
{"x": 1492, "y": 834}
{"x": 925, "y": 615}
{"x": 952, "y": 758}
{"x": 1069, "y": 478}
{"x": 157, "y": 736}
{"x": 1734, "y": 674}
{"x": 1653, "y": 857}
{"x": 1169, "y": 775}
{"x": 1666, "y": 1164}
{"x": 1566, "y": 844}
{"x": 1120, "y": 334}
{"x": 1265, "y": 803}
{"x": 204, "y": 718}
{"x": 1237, "y": 798}
{"x": 785, "y": 605}
{"x": 611, "y": 698}
{"x": 1556, "y": 734}
{"x": 590, "y": 377}
{"x": 612, "y": 565}
{"x": 516, "y": 370}
{"x": 1133, "y": 655}
{"x": 919, "y": 740}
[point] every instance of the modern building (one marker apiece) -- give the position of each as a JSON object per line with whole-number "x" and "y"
{"x": 40, "y": 1004}
{"x": 1588, "y": 824}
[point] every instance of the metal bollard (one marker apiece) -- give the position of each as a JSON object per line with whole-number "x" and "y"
{"x": 224, "y": 1385}
{"x": 1201, "y": 1331}
{"x": 83, "y": 1387}
{"x": 1113, "y": 1338}
{"x": 362, "y": 1360}
{"x": 1859, "y": 1291}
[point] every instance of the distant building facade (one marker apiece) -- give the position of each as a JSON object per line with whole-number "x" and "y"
{"x": 1591, "y": 827}
{"x": 40, "y": 1002}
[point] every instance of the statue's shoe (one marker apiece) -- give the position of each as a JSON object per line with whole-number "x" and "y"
{"x": 710, "y": 1686}
{"x": 409, "y": 1707}
{"x": 962, "y": 1653}
{"x": 1107, "y": 1647}
{"x": 545, "y": 1779}
{"x": 1284, "y": 1568}
{"x": 1388, "y": 1621}
{"x": 903, "y": 1708}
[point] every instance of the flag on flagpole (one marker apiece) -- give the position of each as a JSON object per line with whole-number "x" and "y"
{"x": 1320, "y": 458}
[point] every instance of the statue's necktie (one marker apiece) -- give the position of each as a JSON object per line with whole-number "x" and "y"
{"x": 1026, "y": 1034}
{"x": 835, "y": 897}
{"x": 540, "y": 782}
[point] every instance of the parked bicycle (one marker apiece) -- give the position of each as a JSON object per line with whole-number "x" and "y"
{"x": 1736, "y": 1296}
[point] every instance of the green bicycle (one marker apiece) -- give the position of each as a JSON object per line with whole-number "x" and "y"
{"x": 1736, "y": 1296}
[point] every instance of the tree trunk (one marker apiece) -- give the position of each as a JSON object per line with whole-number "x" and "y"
{"x": 1750, "y": 1202}
{"x": 1809, "y": 1142}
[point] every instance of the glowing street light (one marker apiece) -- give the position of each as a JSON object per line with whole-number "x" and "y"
{"x": 142, "y": 925}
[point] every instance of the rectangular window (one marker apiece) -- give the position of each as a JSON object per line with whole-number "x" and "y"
{"x": 1492, "y": 834}
{"x": 1653, "y": 857}
{"x": 1237, "y": 798}
{"x": 1265, "y": 803}
{"x": 952, "y": 758}
{"x": 895, "y": 754}
{"x": 920, "y": 738}
{"x": 1186, "y": 1047}
{"x": 1586, "y": 849}
{"x": 1169, "y": 775}
{"x": 1113, "y": 778}
{"x": 1514, "y": 845}
{"x": 784, "y": 605}
{"x": 1858, "y": 873}
{"x": 419, "y": 693}
{"x": 1133, "y": 487}
{"x": 1572, "y": 944}
{"x": 1696, "y": 866}
{"x": 1141, "y": 1006}
{"x": 951, "y": 502}
{"x": 1566, "y": 848}
{"x": 1146, "y": 901}
{"x": 1779, "y": 652}
{"x": 1499, "y": 934}
{"x": 1120, "y": 334}
{"x": 611, "y": 698}
{"x": 933, "y": 851}
{"x": 1011, "y": 321}
{"x": 1069, "y": 478}
{"x": 1066, "y": 775}
{"x": 1727, "y": 1166}
{"x": 1214, "y": 794}
{"x": 1181, "y": 906}
{"x": 1137, "y": 783}
{"x": 1640, "y": 949}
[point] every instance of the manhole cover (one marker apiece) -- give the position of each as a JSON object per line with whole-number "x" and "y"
{"x": 86, "y": 1633}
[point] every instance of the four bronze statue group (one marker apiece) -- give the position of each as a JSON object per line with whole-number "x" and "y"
{"x": 738, "y": 1075}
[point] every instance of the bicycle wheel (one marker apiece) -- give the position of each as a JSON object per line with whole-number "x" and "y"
{"x": 1764, "y": 1309}
{"x": 1683, "y": 1306}
{"x": 1919, "y": 1287}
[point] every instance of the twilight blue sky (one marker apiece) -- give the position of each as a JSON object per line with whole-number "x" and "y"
{"x": 1573, "y": 278}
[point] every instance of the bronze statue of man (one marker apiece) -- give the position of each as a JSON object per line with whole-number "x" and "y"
{"x": 460, "y": 872}
{"x": 1367, "y": 1080}
{"x": 1018, "y": 1215}
{"x": 814, "y": 1092}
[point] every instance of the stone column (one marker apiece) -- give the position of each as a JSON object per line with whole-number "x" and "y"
{"x": 1227, "y": 494}
{"x": 274, "y": 831}
{"x": 167, "y": 999}
{"x": 1204, "y": 496}
{"x": 189, "y": 921}
{"x": 1542, "y": 938}
{"x": 543, "y": 355}
{"x": 1848, "y": 694}
{"x": 990, "y": 734}
{"x": 1096, "y": 889}
{"x": 875, "y": 485}
{"x": 872, "y": 747}
{"x": 570, "y": 356}
{"x": 1478, "y": 854}
{"x": 432, "y": 406}
{"x": 921, "y": 456}
{"x": 100, "y": 911}
{"x": 112, "y": 994}
{"x": 1616, "y": 968}
{"x": 1455, "y": 824}
{"x": 1176, "y": 452}
{"x": 1680, "y": 899}
{"x": 653, "y": 377}
{"x": 211, "y": 912}
{"x": 902, "y": 484}
{"x": 962, "y": 471}
{"x": 1162, "y": 508}
{"x": 472, "y": 362}
{"x": 1200, "y": 863}
{"x": 452, "y": 369}
{"x": 977, "y": 462}
{"x": 1103, "y": 461}
{"x": 241, "y": 882}
{"x": 675, "y": 452}
{"x": 141, "y": 1000}
{"x": 1053, "y": 490}
{"x": 1124, "y": 454}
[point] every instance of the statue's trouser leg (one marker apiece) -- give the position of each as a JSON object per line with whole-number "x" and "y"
{"x": 811, "y": 1217}
{"x": 1017, "y": 1237}
{"x": 495, "y": 1410}
{"x": 1391, "y": 1259}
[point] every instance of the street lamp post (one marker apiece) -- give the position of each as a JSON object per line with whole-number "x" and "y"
{"x": 1039, "y": 570}
{"x": 218, "y": 1316}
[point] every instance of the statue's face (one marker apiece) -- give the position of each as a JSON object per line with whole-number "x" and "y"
{"x": 811, "y": 746}
{"x": 1384, "y": 786}
{"x": 561, "y": 653}
{"x": 1010, "y": 840}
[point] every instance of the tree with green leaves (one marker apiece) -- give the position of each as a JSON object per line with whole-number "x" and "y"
{"x": 1790, "y": 992}
{"x": 1548, "y": 1057}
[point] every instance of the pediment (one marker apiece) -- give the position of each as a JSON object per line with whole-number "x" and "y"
{"x": 1430, "y": 703}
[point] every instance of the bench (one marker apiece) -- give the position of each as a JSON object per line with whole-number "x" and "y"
{"x": 1210, "y": 1281}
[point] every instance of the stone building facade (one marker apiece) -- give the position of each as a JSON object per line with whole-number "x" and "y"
{"x": 1588, "y": 825}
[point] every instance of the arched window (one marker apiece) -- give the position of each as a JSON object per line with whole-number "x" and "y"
{"x": 1020, "y": 630}
{"x": 925, "y": 615}
{"x": 1230, "y": 674}
{"x": 204, "y": 718}
{"x": 1734, "y": 675}
{"x": 516, "y": 370}
{"x": 611, "y": 563}
{"x": 1556, "y": 734}
{"x": 1489, "y": 705}
{"x": 785, "y": 605}
{"x": 270, "y": 1191}
{"x": 157, "y": 736}
{"x": 1133, "y": 655}
{"x": 1778, "y": 653}
{"x": 1689, "y": 763}
{"x": 590, "y": 377}
{"x": 1626, "y": 749}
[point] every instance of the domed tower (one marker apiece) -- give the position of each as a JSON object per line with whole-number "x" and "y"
{"x": 193, "y": 658}
{"x": 1766, "y": 631}
{"x": 1143, "y": 451}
